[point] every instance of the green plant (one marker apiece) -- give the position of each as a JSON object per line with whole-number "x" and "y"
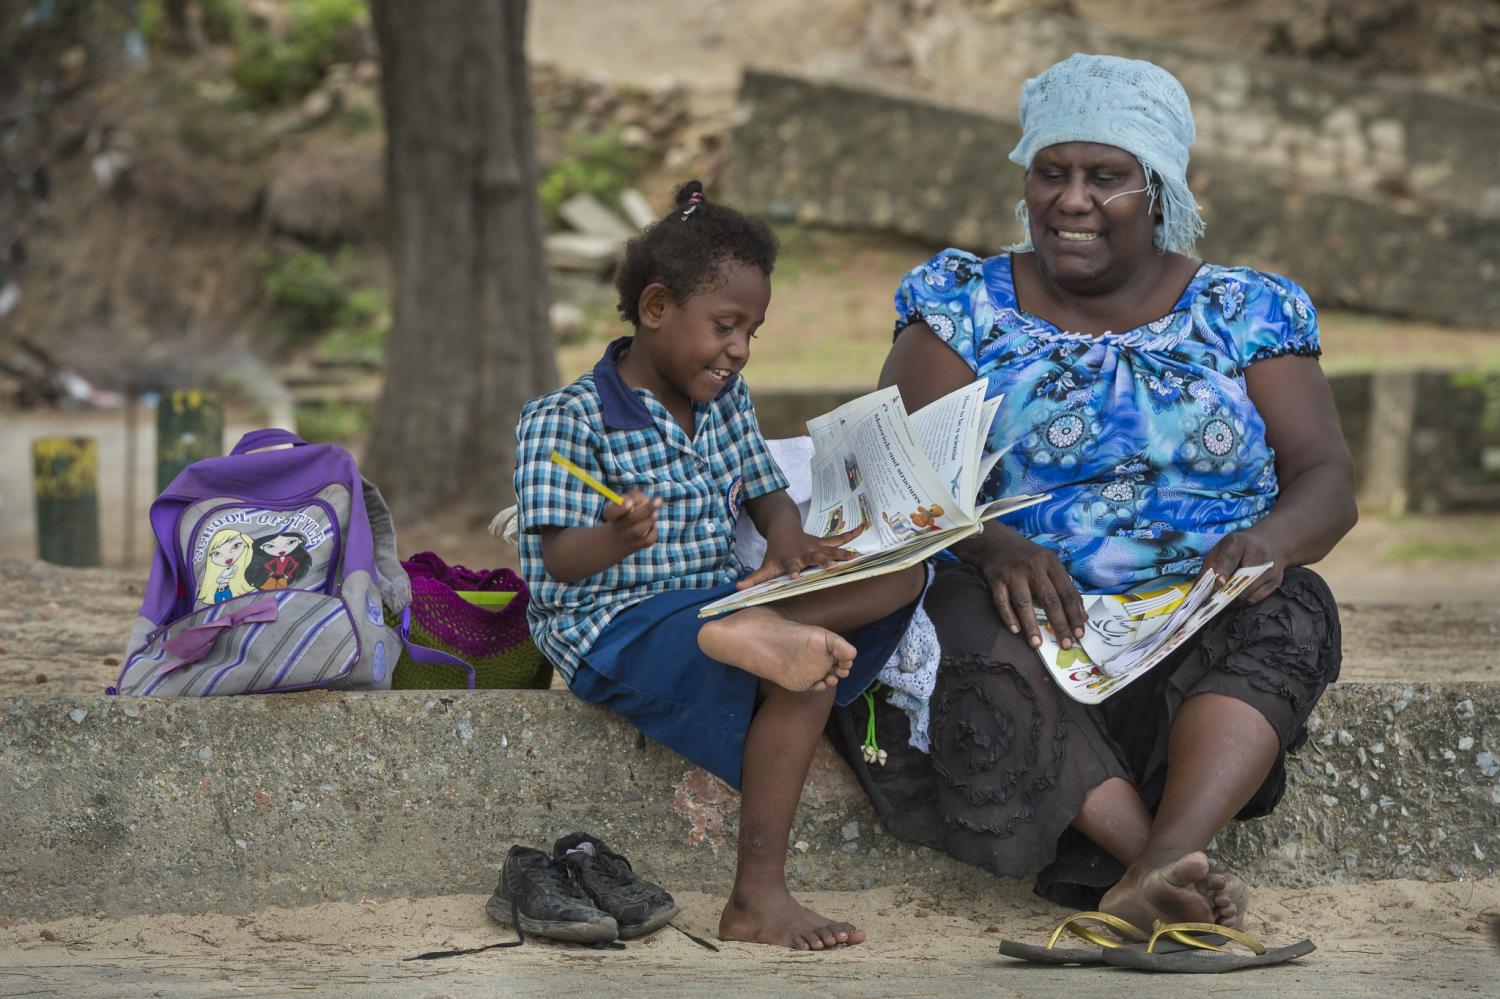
{"x": 333, "y": 421}
{"x": 311, "y": 295}
{"x": 601, "y": 165}
{"x": 359, "y": 334}
{"x": 271, "y": 69}
{"x": 222, "y": 20}
{"x": 1487, "y": 384}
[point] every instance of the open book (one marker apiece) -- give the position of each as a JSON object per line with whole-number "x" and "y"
{"x": 1129, "y": 633}
{"x": 911, "y": 480}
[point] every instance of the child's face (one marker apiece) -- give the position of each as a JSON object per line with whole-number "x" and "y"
{"x": 278, "y": 546}
{"x": 702, "y": 344}
{"x": 227, "y": 552}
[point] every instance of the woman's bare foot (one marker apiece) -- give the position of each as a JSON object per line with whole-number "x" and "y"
{"x": 1167, "y": 890}
{"x": 773, "y": 647}
{"x": 1227, "y": 895}
{"x": 772, "y": 916}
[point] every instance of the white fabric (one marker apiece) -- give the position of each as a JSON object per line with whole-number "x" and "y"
{"x": 794, "y": 456}
{"x": 912, "y": 672}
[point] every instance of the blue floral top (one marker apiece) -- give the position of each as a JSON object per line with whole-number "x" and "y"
{"x": 1146, "y": 439}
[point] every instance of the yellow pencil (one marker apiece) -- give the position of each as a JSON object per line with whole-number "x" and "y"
{"x": 589, "y": 480}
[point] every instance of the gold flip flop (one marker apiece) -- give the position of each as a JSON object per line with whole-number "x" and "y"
{"x": 1155, "y": 956}
{"x": 1125, "y": 936}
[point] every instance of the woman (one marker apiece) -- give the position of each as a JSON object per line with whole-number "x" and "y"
{"x": 1176, "y": 412}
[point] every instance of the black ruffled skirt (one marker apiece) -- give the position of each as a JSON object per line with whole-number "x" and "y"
{"x": 1013, "y": 756}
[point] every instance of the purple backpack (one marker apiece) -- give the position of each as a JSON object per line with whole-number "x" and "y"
{"x": 273, "y": 572}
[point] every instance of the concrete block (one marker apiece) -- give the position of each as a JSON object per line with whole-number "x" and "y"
{"x": 579, "y": 251}
{"x": 131, "y": 805}
{"x": 587, "y": 214}
{"x": 636, "y": 208}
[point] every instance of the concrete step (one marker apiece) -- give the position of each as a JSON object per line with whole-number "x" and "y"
{"x": 127, "y": 806}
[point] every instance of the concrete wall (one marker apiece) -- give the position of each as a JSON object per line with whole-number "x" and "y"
{"x": 847, "y": 157}
{"x": 127, "y": 805}
{"x": 1343, "y": 132}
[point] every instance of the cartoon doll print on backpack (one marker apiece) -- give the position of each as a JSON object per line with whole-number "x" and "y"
{"x": 272, "y": 570}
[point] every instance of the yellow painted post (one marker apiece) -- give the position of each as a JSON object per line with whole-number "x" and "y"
{"x": 189, "y": 426}
{"x": 65, "y": 477}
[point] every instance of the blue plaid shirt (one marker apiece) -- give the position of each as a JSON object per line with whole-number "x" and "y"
{"x": 626, "y": 438}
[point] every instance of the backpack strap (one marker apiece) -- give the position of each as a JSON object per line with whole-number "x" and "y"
{"x": 395, "y": 587}
{"x": 430, "y": 656}
{"x": 269, "y": 437}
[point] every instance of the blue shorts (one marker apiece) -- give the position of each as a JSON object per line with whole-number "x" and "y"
{"x": 646, "y": 666}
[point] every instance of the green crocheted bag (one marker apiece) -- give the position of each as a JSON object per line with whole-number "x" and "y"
{"x": 484, "y": 624}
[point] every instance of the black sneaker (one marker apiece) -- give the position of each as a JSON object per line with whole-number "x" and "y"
{"x": 639, "y": 907}
{"x": 544, "y": 898}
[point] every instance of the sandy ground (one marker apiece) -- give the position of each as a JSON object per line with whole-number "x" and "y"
{"x": 63, "y": 631}
{"x": 1373, "y": 939}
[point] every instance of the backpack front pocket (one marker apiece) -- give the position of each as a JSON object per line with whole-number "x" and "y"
{"x": 236, "y": 548}
{"x": 256, "y": 643}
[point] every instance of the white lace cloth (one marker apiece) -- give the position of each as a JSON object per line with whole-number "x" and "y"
{"x": 911, "y": 672}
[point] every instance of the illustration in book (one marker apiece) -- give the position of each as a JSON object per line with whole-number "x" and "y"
{"x": 1129, "y": 633}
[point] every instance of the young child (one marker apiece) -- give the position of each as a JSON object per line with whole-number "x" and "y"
{"x": 665, "y": 419}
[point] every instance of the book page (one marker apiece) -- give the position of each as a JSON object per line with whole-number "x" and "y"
{"x": 949, "y": 432}
{"x": 1085, "y": 680}
{"x": 870, "y": 471}
{"x": 1120, "y": 627}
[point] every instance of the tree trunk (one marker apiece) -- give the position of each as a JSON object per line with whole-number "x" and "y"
{"x": 470, "y": 340}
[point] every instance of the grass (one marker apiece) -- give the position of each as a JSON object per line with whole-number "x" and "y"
{"x": 1354, "y": 342}
{"x": 1443, "y": 551}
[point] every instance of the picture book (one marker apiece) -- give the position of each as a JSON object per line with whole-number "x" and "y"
{"x": 1129, "y": 633}
{"x": 911, "y": 481}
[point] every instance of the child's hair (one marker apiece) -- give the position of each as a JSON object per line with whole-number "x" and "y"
{"x": 684, "y": 251}
{"x": 257, "y": 573}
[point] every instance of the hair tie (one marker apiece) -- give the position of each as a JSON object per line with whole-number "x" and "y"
{"x": 694, "y": 200}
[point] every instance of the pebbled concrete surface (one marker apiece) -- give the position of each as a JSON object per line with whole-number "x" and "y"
{"x": 132, "y": 805}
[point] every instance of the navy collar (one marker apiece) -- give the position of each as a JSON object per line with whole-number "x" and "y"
{"x": 623, "y": 409}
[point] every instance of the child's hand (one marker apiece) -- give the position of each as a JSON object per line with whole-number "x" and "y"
{"x": 634, "y": 523}
{"x": 804, "y": 551}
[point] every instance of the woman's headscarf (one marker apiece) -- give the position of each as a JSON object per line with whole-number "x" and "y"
{"x": 1133, "y": 105}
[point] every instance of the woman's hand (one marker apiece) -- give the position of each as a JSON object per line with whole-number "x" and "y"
{"x": 633, "y": 523}
{"x": 1242, "y": 548}
{"x": 1022, "y": 576}
{"x": 793, "y": 551}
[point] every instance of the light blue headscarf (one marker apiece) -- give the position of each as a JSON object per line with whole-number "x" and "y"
{"x": 1133, "y": 105}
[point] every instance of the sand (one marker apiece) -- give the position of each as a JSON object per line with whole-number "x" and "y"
{"x": 1372, "y": 938}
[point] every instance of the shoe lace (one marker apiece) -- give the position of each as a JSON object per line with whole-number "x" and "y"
{"x": 564, "y": 876}
{"x": 567, "y": 877}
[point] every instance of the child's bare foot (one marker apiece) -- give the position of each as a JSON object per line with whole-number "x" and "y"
{"x": 1227, "y": 895}
{"x": 1166, "y": 890}
{"x": 772, "y": 916}
{"x": 763, "y": 642}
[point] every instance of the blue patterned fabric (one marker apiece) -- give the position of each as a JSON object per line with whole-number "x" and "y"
{"x": 1147, "y": 438}
{"x": 626, "y": 438}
